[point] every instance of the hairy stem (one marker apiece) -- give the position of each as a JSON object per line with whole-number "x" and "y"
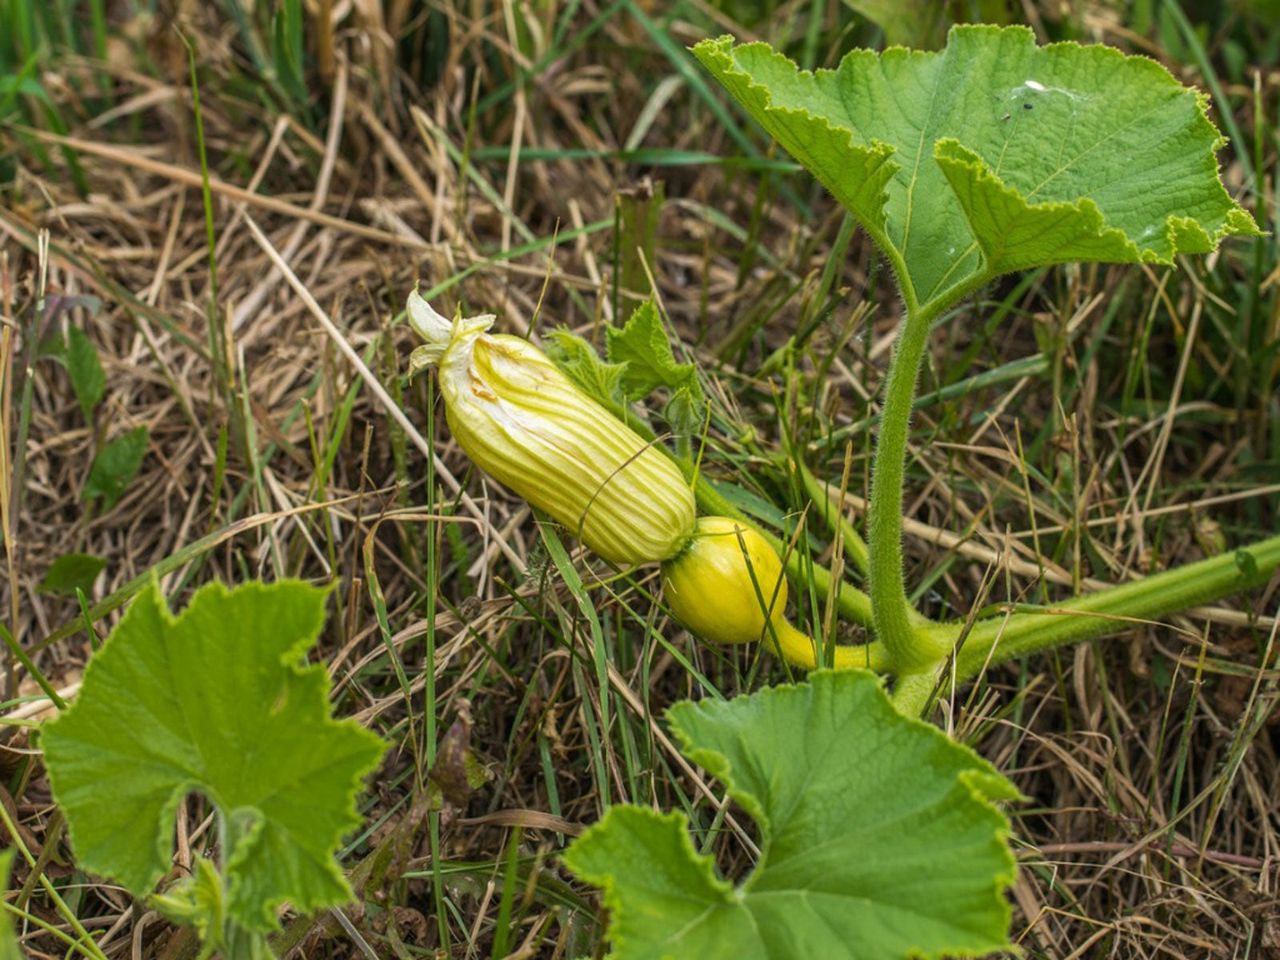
{"x": 891, "y": 611}
{"x": 912, "y": 646}
{"x": 998, "y": 639}
{"x": 238, "y": 942}
{"x": 911, "y": 693}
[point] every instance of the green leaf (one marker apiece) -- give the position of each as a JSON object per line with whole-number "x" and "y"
{"x": 214, "y": 701}
{"x": 579, "y": 361}
{"x": 685, "y": 410}
{"x": 72, "y": 572}
{"x": 994, "y": 154}
{"x": 115, "y": 466}
{"x": 87, "y": 377}
{"x": 199, "y": 901}
{"x": 643, "y": 346}
{"x": 879, "y": 837}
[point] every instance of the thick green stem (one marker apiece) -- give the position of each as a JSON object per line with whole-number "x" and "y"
{"x": 911, "y": 692}
{"x": 912, "y": 645}
{"x": 1113, "y": 610}
{"x": 892, "y": 613}
{"x": 238, "y": 943}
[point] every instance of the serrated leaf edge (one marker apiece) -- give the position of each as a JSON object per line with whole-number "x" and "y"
{"x": 983, "y": 781}
{"x": 85, "y": 857}
{"x": 288, "y": 660}
{"x": 677, "y": 821}
{"x": 723, "y": 51}
{"x": 1238, "y": 221}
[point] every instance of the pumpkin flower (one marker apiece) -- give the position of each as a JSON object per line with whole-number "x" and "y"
{"x": 529, "y": 427}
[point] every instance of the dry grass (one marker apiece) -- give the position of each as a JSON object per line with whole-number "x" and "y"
{"x": 1149, "y": 762}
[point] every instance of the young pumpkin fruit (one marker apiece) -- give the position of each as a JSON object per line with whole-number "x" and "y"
{"x": 727, "y": 587}
{"x": 533, "y": 430}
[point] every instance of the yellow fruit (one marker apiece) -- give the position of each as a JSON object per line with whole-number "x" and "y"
{"x": 727, "y": 587}
{"x": 710, "y": 588}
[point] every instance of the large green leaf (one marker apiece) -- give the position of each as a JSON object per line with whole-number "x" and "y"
{"x": 879, "y": 837}
{"x": 994, "y": 154}
{"x": 214, "y": 701}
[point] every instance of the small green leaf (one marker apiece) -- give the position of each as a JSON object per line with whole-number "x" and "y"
{"x": 1246, "y": 563}
{"x": 197, "y": 901}
{"x": 643, "y": 346}
{"x": 457, "y": 772}
{"x": 12, "y": 85}
{"x": 685, "y": 410}
{"x": 879, "y": 837}
{"x": 116, "y": 465}
{"x": 72, "y": 572}
{"x": 87, "y": 377}
{"x": 214, "y": 701}
{"x": 579, "y": 361}
{"x": 996, "y": 155}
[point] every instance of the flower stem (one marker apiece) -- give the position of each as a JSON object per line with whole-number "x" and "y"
{"x": 800, "y": 650}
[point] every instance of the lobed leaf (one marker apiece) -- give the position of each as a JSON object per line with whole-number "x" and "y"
{"x": 879, "y": 837}
{"x": 995, "y": 155}
{"x": 213, "y": 701}
{"x": 578, "y": 361}
{"x": 644, "y": 349}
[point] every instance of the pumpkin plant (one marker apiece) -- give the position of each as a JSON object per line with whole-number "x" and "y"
{"x": 990, "y": 157}
{"x": 993, "y": 156}
{"x": 987, "y": 158}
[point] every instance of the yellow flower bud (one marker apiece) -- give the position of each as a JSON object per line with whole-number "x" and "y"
{"x": 709, "y": 586}
{"x": 530, "y": 428}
